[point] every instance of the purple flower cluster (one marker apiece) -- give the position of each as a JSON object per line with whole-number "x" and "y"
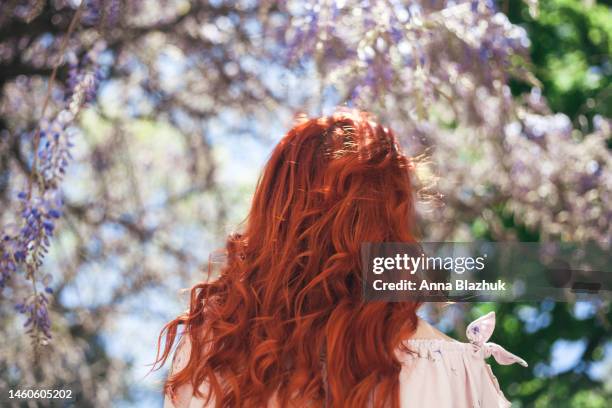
{"x": 365, "y": 48}
{"x": 24, "y": 246}
{"x": 39, "y": 215}
{"x": 101, "y": 12}
{"x": 38, "y": 321}
{"x": 55, "y": 150}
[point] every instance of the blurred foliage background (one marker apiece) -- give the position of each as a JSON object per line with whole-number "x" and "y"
{"x": 185, "y": 99}
{"x": 570, "y": 52}
{"x": 571, "y": 56}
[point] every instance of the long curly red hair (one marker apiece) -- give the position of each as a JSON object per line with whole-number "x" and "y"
{"x": 285, "y": 317}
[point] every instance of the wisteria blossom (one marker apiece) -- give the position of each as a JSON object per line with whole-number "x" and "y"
{"x": 41, "y": 200}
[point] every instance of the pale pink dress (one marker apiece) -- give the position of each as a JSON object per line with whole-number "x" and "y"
{"x": 440, "y": 372}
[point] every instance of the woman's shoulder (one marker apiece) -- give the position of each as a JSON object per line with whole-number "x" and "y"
{"x": 478, "y": 333}
{"x": 438, "y": 370}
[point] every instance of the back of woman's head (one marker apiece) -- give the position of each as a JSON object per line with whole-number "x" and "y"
{"x": 285, "y": 318}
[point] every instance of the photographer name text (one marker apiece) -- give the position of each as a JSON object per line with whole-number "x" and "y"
{"x": 424, "y": 285}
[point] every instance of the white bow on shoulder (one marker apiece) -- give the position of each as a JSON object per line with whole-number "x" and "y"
{"x": 480, "y": 330}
